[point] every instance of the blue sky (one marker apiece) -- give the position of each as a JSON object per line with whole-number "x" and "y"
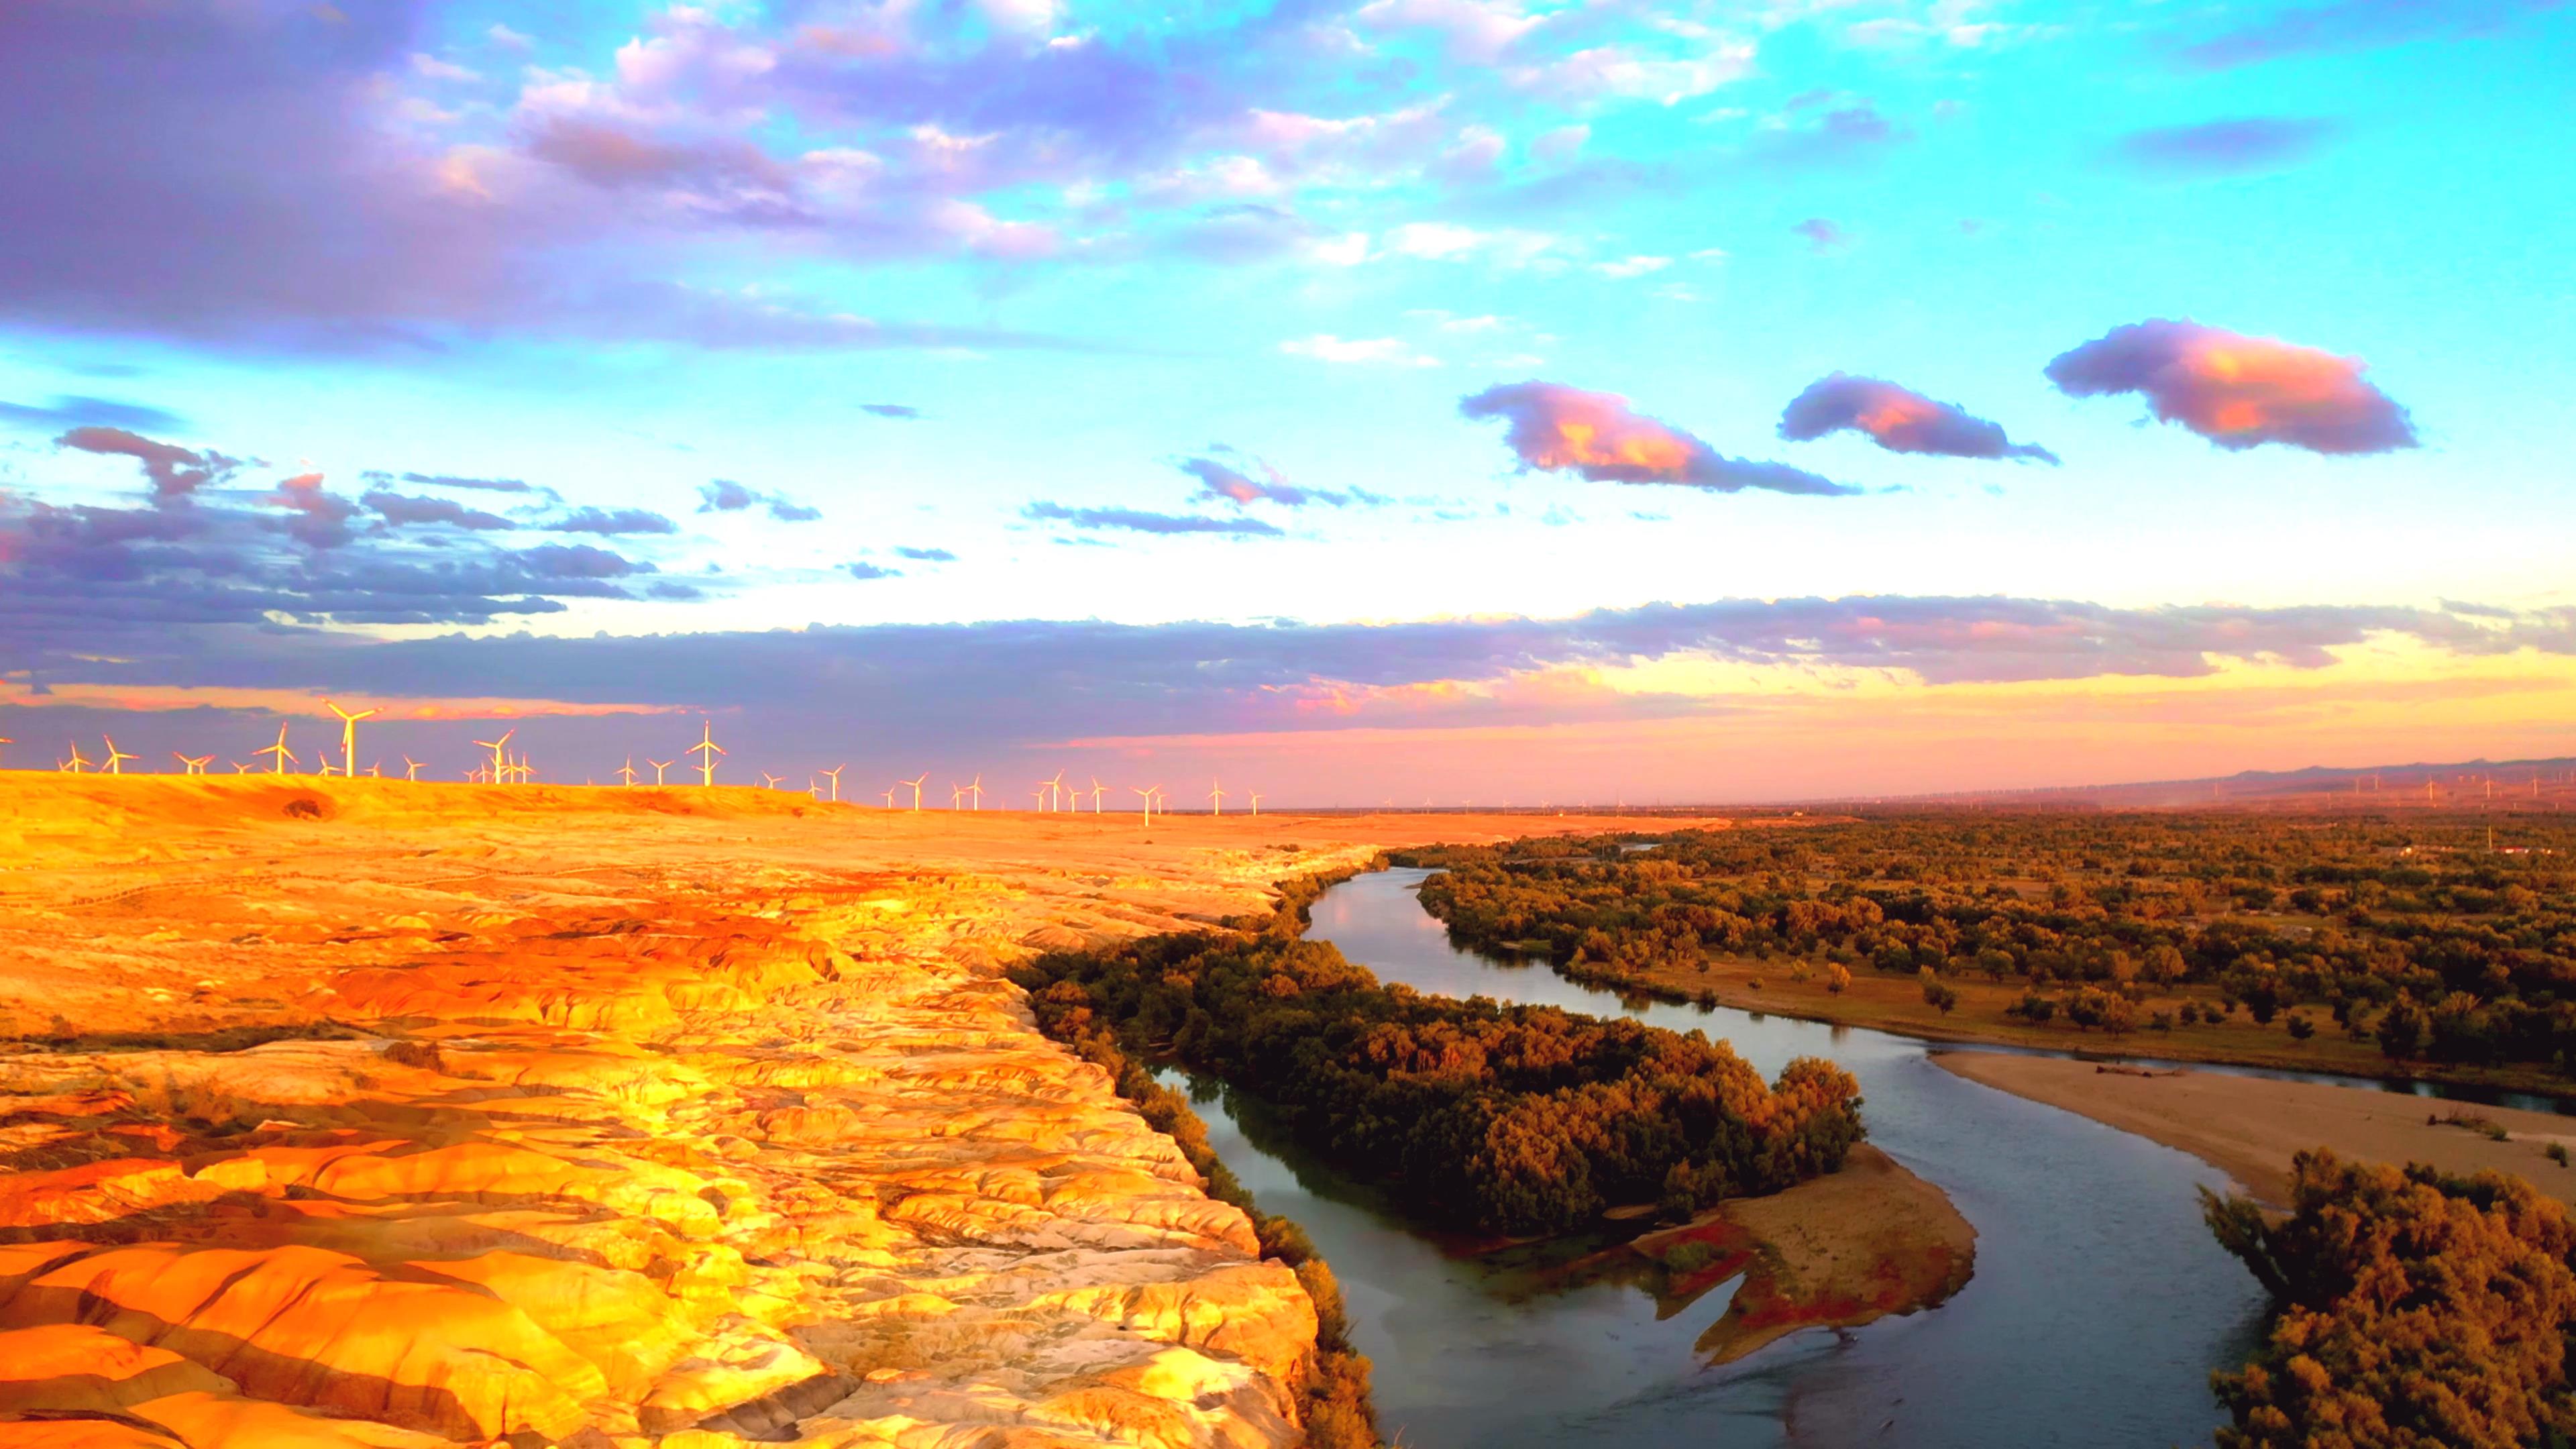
{"x": 1011, "y": 282}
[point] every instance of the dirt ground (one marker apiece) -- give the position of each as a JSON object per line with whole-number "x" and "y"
{"x": 2250, "y": 1127}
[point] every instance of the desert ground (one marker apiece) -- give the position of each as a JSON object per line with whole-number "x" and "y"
{"x": 352, "y": 1112}
{"x": 2251, "y": 1127}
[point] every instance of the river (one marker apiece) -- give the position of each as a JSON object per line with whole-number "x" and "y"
{"x": 2099, "y": 1306}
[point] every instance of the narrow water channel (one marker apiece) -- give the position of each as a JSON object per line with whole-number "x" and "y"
{"x": 2099, "y": 1305}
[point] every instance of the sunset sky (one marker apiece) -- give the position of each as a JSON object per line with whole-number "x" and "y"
{"x": 1446, "y": 399}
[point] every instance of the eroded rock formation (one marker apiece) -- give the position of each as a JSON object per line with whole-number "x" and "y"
{"x": 419, "y": 1116}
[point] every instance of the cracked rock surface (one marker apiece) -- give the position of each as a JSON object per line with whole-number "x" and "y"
{"x": 424, "y": 1115}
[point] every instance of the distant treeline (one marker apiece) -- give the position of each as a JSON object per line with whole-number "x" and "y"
{"x": 2414, "y": 1308}
{"x": 1474, "y": 1115}
{"x": 2413, "y": 933}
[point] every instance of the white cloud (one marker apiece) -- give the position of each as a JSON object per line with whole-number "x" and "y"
{"x": 1384, "y": 351}
{"x": 1611, "y": 70}
{"x": 1476, "y": 29}
{"x": 432, "y": 68}
{"x": 1627, "y": 267}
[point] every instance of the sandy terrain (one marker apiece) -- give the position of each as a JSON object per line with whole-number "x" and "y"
{"x": 1836, "y": 1252}
{"x": 2249, "y": 1127}
{"x": 357, "y": 1113}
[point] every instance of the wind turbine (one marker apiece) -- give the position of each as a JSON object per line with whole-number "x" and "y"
{"x": 239, "y": 768}
{"x": 113, "y": 755}
{"x": 284, "y": 755}
{"x": 411, "y": 768}
{"x": 915, "y": 783}
{"x": 1256, "y": 804}
{"x": 376, "y": 771}
{"x": 975, "y": 792}
{"x": 196, "y": 764}
{"x": 348, "y": 735}
{"x": 834, "y": 775}
{"x": 658, "y": 767}
{"x": 1055, "y": 791}
{"x": 626, "y": 772}
{"x": 77, "y": 763}
{"x": 770, "y": 780}
{"x": 500, "y": 766}
{"x": 1216, "y": 798}
{"x": 888, "y": 793}
{"x": 1097, "y": 790}
{"x": 1040, "y": 795}
{"x": 1148, "y": 792}
{"x": 956, "y": 796}
{"x": 706, "y": 749}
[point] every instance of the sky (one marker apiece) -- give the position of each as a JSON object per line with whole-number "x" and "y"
{"x": 1396, "y": 401}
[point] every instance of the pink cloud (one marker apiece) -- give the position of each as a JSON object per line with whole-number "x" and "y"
{"x": 2238, "y": 391}
{"x": 1596, "y": 435}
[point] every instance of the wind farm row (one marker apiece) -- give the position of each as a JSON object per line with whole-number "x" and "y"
{"x": 503, "y": 766}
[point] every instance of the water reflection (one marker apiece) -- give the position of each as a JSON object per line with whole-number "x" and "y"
{"x": 2099, "y": 1305}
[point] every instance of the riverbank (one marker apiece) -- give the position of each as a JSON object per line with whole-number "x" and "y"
{"x": 1882, "y": 1001}
{"x": 598, "y": 1115}
{"x": 2250, "y": 1127}
{"x": 1870, "y": 1241}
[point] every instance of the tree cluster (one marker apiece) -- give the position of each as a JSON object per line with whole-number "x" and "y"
{"x": 2416, "y": 932}
{"x": 2415, "y": 1309}
{"x": 1474, "y": 1115}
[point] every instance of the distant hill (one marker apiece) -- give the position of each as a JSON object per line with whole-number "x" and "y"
{"x": 2515, "y": 785}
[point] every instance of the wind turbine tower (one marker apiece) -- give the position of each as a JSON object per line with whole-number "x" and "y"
{"x": 348, "y": 736}
{"x": 500, "y": 763}
{"x": 706, "y": 749}
{"x": 113, "y": 755}
{"x": 915, "y": 783}
{"x": 834, "y": 775}
{"x": 284, "y": 755}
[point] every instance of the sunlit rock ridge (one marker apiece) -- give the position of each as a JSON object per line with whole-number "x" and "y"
{"x": 601, "y": 1118}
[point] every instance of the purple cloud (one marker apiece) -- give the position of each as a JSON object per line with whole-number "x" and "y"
{"x": 1899, "y": 420}
{"x": 1597, "y": 436}
{"x": 1841, "y": 136}
{"x": 1134, "y": 520}
{"x": 175, "y": 472}
{"x": 723, "y": 495}
{"x": 946, "y": 691}
{"x": 450, "y": 480}
{"x": 860, "y": 570}
{"x": 94, "y": 411}
{"x": 607, "y": 521}
{"x": 2224, "y": 148}
{"x": 1231, "y": 484}
{"x": 1822, "y": 235}
{"x": 403, "y": 508}
{"x": 2239, "y": 391}
{"x": 576, "y": 561}
{"x": 320, "y": 517}
{"x": 891, "y": 410}
{"x": 926, "y": 555}
{"x": 2356, "y": 25}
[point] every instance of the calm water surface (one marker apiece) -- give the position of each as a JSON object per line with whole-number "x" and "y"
{"x": 2099, "y": 1305}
